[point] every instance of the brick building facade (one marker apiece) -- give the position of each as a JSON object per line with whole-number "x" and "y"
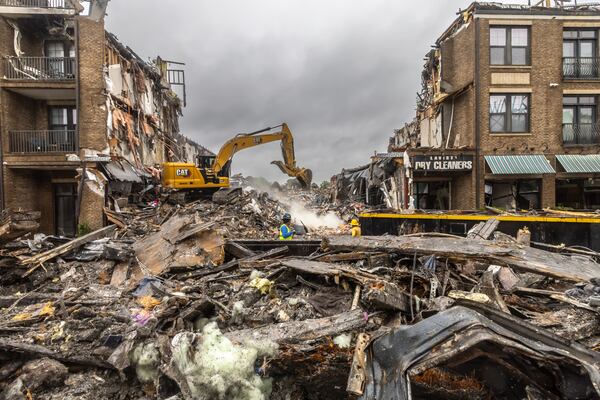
{"x": 72, "y": 100}
{"x": 508, "y": 112}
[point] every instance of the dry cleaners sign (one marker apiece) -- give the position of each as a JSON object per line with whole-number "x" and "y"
{"x": 442, "y": 163}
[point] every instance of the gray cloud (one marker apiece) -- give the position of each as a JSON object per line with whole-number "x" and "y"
{"x": 342, "y": 73}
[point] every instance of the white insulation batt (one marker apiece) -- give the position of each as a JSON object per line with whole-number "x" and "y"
{"x": 210, "y": 366}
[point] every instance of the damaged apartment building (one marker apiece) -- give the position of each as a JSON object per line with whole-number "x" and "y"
{"x": 84, "y": 120}
{"x": 508, "y": 112}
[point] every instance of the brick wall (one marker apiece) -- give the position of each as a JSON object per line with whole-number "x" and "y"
{"x": 92, "y": 107}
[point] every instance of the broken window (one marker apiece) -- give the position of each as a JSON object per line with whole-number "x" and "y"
{"x": 509, "y": 113}
{"x": 509, "y": 46}
{"x": 580, "y": 120}
{"x": 432, "y": 195}
{"x": 511, "y": 195}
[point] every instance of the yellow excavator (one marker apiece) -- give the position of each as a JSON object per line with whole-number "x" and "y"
{"x": 211, "y": 174}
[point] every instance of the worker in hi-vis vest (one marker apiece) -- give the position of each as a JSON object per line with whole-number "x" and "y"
{"x": 355, "y": 228}
{"x": 286, "y": 232}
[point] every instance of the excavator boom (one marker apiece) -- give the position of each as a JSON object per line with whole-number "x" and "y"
{"x": 288, "y": 166}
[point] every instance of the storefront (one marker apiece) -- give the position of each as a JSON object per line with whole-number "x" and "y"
{"x": 436, "y": 179}
{"x": 516, "y": 181}
{"x": 578, "y": 181}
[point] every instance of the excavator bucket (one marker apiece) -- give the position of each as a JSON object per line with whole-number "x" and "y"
{"x": 304, "y": 175}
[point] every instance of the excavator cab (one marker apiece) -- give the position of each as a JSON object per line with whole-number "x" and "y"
{"x": 206, "y": 162}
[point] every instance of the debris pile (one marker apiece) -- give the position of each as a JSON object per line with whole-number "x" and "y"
{"x": 198, "y": 302}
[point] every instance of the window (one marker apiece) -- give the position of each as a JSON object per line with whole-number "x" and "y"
{"x": 580, "y": 120}
{"x": 62, "y": 118}
{"x": 509, "y": 46}
{"x": 432, "y": 195}
{"x": 509, "y": 113}
{"x": 580, "y": 48}
{"x": 513, "y": 195}
{"x": 60, "y": 55}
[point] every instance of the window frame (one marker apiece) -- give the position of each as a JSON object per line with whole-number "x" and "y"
{"x": 508, "y": 47}
{"x": 508, "y": 113}
{"x": 71, "y": 119}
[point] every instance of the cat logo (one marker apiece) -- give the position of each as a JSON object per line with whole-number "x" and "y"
{"x": 182, "y": 172}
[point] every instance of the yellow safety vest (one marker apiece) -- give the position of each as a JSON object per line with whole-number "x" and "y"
{"x": 281, "y": 234}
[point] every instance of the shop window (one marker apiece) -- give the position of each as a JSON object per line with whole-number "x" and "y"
{"x": 509, "y": 46}
{"x": 510, "y": 195}
{"x": 509, "y": 113}
{"x": 432, "y": 195}
{"x": 578, "y": 194}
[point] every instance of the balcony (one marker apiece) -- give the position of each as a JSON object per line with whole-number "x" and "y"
{"x": 42, "y": 141}
{"x": 584, "y": 68}
{"x": 581, "y": 134}
{"x": 39, "y": 7}
{"x": 39, "y": 68}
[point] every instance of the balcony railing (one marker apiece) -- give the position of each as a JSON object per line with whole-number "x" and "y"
{"x": 39, "y": 68}
{"x": 581, "y": 67}
{"x": 581, "y": 134}
{"x": 63, "y": 4}
{"x": 27, "y": 142}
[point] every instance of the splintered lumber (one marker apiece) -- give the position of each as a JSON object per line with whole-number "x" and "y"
{"x": 276, "y": 252}
{"x": 386, "y": 295}
{"x": 67, "y": 247}
{"x": 190, "y": 232}
{"x": 299, "y": 331}
{"x": 356, "y": 379}
{"x": 16, "y": 223}
{"x": 524, "y": 259}
{"x": 483, "y": 230}
{"x": 327, "y": 269}
{"x": 36, "y": 350}
{"x": 238, "y": 250}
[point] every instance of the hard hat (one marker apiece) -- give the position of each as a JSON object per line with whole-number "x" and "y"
{"x": 354, "y": 222}
{"x": 287, "y": 217}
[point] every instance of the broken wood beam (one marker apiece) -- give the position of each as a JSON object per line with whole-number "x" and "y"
{"x": 279, "y": 251}
{"x": 191, "y": 231}
{"x": 328, "y": 269}
{"x": 299, "y": 331}
{"x": 238, "y": 250}
{"x": 357, "y": 377}
{"x": 461, "y": 250}
{"x": 386, "y": 295}
{"x": 35, "y": 350}
{"x": 73, "y": 244}
{"x": 483, "y": 230}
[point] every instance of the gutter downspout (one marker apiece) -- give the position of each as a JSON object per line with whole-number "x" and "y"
{"x": 1, "y": 154}
{"x": 477, "y": 116}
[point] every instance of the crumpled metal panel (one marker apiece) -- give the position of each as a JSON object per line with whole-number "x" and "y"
{"x": 124, "y": 172}
{"x": 556, "y": 367}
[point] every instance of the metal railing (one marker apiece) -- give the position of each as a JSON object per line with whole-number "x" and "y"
{"x": 65, "y": 4}
{"x": 581, "y": 67}
{"x": 581, "y": 134}
{"x": 41, "y": 141}
{"x": 39, "y": 68}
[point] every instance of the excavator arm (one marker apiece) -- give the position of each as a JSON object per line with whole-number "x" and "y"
{"x": 247, "y": 140}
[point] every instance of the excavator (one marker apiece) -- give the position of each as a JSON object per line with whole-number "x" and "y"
{"x": 211, "y": 174}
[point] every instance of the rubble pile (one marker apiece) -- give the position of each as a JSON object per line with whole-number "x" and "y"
{"x": 175, "y": 302}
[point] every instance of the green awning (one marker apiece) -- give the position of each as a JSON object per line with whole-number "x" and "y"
{"x": 534, "y": 164}
{"x": 579, "y": 164}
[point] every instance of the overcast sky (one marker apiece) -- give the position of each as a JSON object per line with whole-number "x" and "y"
{"x": 342, "y": 73}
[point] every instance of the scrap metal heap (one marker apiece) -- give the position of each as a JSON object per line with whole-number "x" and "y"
{"x": 176, "y": 302}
